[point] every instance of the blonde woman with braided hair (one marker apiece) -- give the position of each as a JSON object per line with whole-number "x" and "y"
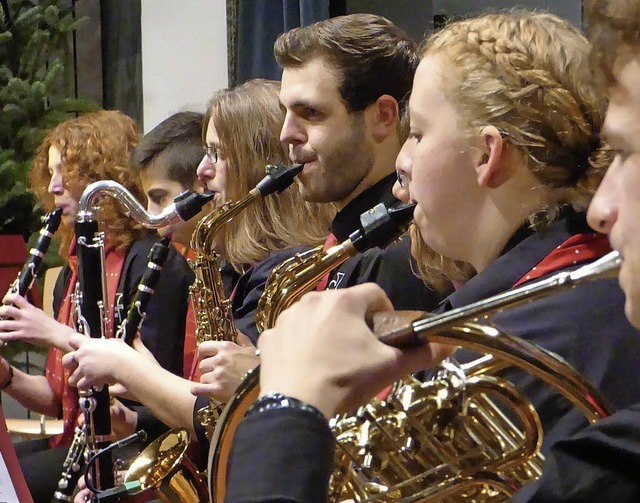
{"x": 502, "y": 160}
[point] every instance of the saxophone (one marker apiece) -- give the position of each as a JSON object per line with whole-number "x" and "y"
{"x": 162, "y": 468}
{"x": 213, "y": 315}
{"x": 445, "y": 439}
{"x": 379, "y": 227}
{"x": 298, "y": 275}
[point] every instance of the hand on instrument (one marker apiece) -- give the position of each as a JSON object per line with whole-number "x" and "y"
{"x": 28, "y": 323}
{"x": 223, "y": 364}
{"x": 95, "y": 362}
{"x": 322, "y": 351}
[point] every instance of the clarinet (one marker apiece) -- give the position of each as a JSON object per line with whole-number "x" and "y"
{"x": 29, "y": 272}
{"x": 137, "y": 311}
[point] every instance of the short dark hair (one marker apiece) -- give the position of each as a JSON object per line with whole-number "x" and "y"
{"x": 374, "y": 56}
{"x": 178, "y": 141}
{"x": 613, "y": 27}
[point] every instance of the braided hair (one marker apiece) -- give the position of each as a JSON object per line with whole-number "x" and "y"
{"x": 526, "y": 73}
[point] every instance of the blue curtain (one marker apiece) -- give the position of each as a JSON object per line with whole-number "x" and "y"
{"x": 257, "y": 24}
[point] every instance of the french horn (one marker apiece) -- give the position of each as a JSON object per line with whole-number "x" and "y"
{"x": 450, "y": 438}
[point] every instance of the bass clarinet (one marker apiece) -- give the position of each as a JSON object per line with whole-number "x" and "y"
{"x": 91, "y": 307}
{"x": 75, "y": 459}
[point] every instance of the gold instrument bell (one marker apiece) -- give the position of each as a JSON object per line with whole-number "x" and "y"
{"x": 465, "y": 435}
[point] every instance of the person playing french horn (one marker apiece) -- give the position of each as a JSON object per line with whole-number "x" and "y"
{"x": 502, "y": 159}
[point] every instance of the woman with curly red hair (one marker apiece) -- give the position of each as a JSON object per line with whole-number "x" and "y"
{"x": 77, "y": 152}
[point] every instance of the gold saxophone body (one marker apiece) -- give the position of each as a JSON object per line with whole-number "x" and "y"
{"x": 286, "y": 284}
{"x": 465, "y": 435}
{"x": 212, "y": 309}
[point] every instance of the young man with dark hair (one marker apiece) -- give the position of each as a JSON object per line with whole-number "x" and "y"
{"x": 600, "y": 463}
{"x": 344, "y": 84}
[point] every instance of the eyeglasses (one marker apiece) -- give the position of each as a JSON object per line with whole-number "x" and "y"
{"x": 211, "y": 152}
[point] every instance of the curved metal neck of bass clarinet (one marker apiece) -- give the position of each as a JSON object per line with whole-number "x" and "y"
{"x": 184, "y": 206}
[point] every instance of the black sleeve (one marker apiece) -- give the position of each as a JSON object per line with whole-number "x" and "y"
{"x": 391, "y": 269}
{"x": 250, "y": 288}
{"x": 152, "y": 426}
{"x": 598, "y": 464}
{"x": 162, "y": 331}
{"x": 201, "y": 434}
{"x": 283, "y": 455}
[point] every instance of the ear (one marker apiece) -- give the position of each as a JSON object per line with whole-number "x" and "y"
{"x": 492, "y": 171}
{"x": 384, "y": 117}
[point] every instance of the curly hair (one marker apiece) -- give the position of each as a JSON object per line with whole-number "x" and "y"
{"x": 613, "y": 27}
{"x": 509, "y": 71}
{"x": 95, "y": 146}
{"x": 248, "y": 120}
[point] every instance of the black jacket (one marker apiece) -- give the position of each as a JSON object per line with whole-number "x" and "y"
{"x": 390, "y": 268}
{"x": 586, "y": 325}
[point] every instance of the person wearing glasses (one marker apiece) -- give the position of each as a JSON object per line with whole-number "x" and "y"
{"x": 241, "y": 136}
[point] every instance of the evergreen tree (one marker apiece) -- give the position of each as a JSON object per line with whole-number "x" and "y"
{"x": 36, "y": 89}
{"x": 36, "y": 93}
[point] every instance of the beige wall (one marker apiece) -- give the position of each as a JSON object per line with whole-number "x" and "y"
{"x": 184, "y": 55}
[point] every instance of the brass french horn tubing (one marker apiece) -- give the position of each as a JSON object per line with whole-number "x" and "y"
{"x": 410, "y": 328}
{"x": 544, "y": 364}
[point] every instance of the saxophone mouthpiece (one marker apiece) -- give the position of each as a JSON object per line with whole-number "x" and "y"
{"x": 278, "y": 178}
{"x": 189, "y": 203}
{"x": 402, "y": 215}
{"x": 380, "y": 226}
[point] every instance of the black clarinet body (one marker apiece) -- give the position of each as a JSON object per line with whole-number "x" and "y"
{"x": 94, "y": 312}
{"x": 94, "y": 439}
{"x": 29, "y": 271}
{"x": 137, "y": 311}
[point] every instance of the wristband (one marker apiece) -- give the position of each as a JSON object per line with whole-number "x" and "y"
{"x": 273, "y": 401}
{"x": 7, "y": 382}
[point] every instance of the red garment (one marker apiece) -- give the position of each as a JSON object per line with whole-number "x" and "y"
{"x": 328, "y": 243}
{"x": 56, "y": 374}
{"x": 575, "y": 250}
